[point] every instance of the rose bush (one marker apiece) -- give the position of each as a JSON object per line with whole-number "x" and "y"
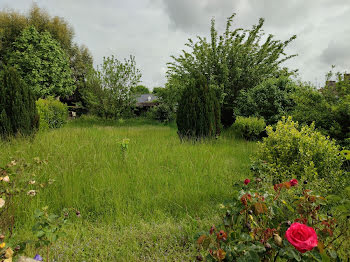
{"x": 281, "y": 222}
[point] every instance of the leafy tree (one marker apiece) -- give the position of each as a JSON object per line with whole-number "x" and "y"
{"x": 81, "y": 63}
{"x": 271, "y": 100}
{"x": 198, "y": 114}
{"x": 12, "y": 24}
{"x": 233, "y": 61}
{"x": 18, "y": 113}
{"x": 109, "y": 87}
{"x": 42, "y": 64}
{"x": 140, "y": 89}
{"x": 157, "y": 90}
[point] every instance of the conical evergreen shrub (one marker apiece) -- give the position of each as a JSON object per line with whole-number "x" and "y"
{"x": 198, "y": 114}
{"x": 18, "y": 112}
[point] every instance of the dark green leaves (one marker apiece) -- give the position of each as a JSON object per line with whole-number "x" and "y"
{"x": 42, "y": 63}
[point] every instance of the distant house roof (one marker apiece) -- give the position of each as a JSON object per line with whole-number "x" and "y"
{"x": 146, "y": 100}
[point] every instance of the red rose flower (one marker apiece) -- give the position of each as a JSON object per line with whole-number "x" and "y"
{"x": 302, "y": 237}
{"x": 293, "y": 182}
{"x": 246, "y": 181}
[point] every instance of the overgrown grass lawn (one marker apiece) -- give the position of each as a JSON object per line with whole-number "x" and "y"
{"x": 147, "y": 205}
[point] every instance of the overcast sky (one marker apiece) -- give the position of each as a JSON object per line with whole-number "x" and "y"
{"x": 152, "y": 30}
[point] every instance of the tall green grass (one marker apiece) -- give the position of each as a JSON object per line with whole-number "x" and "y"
{"x": 159, "y": 182}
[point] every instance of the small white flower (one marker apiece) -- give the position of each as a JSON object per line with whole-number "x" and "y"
{"x": 31, "y": 182}
{"x": 6, "y": 179}
{"x": 2, "y": 202}
{"x": 31, "y": 193}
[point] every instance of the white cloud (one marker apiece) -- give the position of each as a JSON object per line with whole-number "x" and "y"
{"x": 152, "y": 30}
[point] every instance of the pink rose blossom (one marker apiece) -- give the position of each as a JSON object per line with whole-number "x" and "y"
{"x": 302, "y": 237}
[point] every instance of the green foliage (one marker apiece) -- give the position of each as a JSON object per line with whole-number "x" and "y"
{"x": 157, "y": 90}
{"x": 12, "y": 24}
{"x": 169, "y": 96}
{"x": 124, "y": 145}
{"x": 162, "y": 113}
{"x": 328, "y": 107}
{"x": 140, "y": 89}
{"x": 312, "y": 106}
{"x": 341, "y": 127}
{"x": 108, "y": 93}
{"x": 233, "y": 61}
{"x": 302, "y": 153}
{"x": 17, "y": 105}
{"x": 81, "y": 63}
{"x": 255, "y": 223}
{"x": 249, "y": 127}
{"x": 271, "y": 100}
{"x": 48, "y": 228}
{"x": 42, "y": 63}
{"x": 17, "y": 180}
{"x": 198, "y": 115}
{"x": 53, "y": 113}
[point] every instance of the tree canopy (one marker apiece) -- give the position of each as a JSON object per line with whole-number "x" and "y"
{"x": 140, "y": 89}
{"x": 109, "y": 92}
{"x": 42, "y": 63}
{"x": 12, "y": 24}
{"x": 236, "y": 60}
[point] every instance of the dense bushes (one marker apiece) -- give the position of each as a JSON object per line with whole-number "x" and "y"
{"x": 53, "y": 113}
{"x": 17, "y": 105}
{"x": 312, "y": 106}
{"x": 249, "y": 127}
{"x": 271, "y": 99}
{"x": 329, "y": 108}
{"x": 198, "y": 113}
{"x": 162, "y": 113}
{"x": 289, "y": 152}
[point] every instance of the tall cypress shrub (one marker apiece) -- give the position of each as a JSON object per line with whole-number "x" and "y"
{"x": 18, "y": 112}
{"x": 198, "y": 113}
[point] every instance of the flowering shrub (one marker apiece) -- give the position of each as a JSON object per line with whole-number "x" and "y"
{"x": 303, "y": 153}
{"x": 284, "y": 221}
